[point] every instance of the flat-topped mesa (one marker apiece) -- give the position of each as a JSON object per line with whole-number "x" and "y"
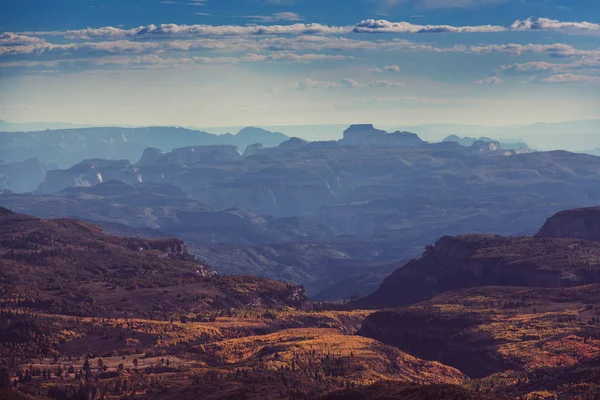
{"x": 581, "y": 223}
{"x": 366, "y": 135}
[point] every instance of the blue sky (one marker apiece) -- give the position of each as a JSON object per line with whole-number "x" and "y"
{"x": 278, "y": 62}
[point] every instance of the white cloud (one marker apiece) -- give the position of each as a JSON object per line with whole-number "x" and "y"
{"x": 384, "y": 26}
{"x": 552, "y": 50}
{"x": 386, "y": 84}
{"x": 315, "y": 84}
{"x": 281, "y": 16}
{"x": 570, "y": 78}
{"x": 529, "y": 67}
{"x": 387, "y": 68}
{"x": 275, "y": 57}
{"x": 174, "y": 30}
{"x": 552, "y": 24}
{"x": 346, "y": 83}
{"x": 443, "y": 3}
{"x": 544, "y": 72}
{"x": 13, "y": 39}
{"x": 114, "y": 47}
{"x": 489, "y": 81}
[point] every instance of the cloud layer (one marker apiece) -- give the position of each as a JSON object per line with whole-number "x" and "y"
{"x": 172, "y": 45}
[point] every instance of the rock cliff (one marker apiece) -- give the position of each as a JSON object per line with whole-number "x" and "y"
{"x": 461, "y": 262}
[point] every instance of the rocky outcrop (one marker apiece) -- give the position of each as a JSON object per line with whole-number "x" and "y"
{"x": 582, "y": 223}
{"x": 366, "y": 135}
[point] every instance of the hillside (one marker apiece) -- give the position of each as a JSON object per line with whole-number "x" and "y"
{"x": 395, "y": 390}
{"x": 66, "y": 266}
{"x": 249, "y": 357}
{"x": 83, "y": 315}
{"x": 461, "y": 262}
{"x": 517, "y": 340}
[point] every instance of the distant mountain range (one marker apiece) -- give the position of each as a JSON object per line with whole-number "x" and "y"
{"x": 62, "y": 148}
{"x": 335, "y": 216}
{"x": 579, "y": 135}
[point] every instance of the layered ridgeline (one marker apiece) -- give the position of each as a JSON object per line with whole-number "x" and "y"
{"x": 336, "y": 217}
{"x": 65, "y": 147}
{"x": 519, "y": 314}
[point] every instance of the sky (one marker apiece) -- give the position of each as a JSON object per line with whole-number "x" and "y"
{"x": 299, "y": 62}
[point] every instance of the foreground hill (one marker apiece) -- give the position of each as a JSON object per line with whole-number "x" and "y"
{"x": 230, "y": 357}
{"x": 245, "y": 338}
{"x": 518, "y": 340}
{"x": 394, "y": 390}
{"x": 66, "y": 266}
{"x": 484, "y": 260}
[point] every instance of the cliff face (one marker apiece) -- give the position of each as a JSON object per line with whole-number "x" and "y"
{"x": 483, "y": 260}
{"x": 583, "y": 223}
